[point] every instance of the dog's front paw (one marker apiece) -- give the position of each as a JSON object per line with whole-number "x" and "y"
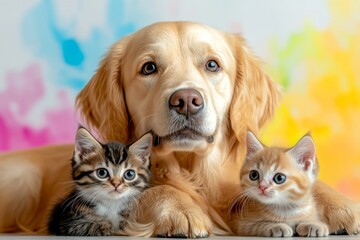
{"x": 173, "y": 213}
{"x": 188, "y": 224}
{"x": 314, "y": 229}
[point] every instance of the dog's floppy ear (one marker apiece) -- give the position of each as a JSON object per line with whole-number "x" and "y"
{"x": 101, "y": 102}
{"x": 255, "y": 95}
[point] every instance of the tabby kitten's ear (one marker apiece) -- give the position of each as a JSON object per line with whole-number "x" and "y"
{"x": 142, "y": 147}
{"x": 304, "y": 153}
{"x": 253, "y": 144}
{"x": 85, "y": 143}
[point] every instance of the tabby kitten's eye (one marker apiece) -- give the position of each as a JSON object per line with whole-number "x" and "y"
{"x": 254, "y": 175}
{"x": 279, "y": 178}
{"x": 102, "y": 173}
{"x": 129, "y": 174}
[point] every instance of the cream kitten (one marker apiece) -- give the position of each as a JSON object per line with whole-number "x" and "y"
{"x": 276, "y": 198}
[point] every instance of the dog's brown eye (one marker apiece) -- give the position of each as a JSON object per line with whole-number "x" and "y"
{"x": 148, "y": 68}
{"x": 212, "y": 66}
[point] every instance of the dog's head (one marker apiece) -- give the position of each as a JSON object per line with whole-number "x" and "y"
{"x": 187, "y": 83}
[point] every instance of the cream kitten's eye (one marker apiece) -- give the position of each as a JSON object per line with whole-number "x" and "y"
{"x": 102, "y": 173}
{"x": 279, "y": 178}
{"x": 254, "y": 175}
{"x": 129, "y": 174}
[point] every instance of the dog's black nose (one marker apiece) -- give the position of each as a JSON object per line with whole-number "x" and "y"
{"x": 186, "y": 101}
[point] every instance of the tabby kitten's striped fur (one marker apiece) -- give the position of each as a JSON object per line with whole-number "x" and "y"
{"x": 107, "y": 180}
{"x": 276, "y": 198}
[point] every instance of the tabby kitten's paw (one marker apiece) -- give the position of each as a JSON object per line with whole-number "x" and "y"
{"x": 278, "y": 230}
{"x": 100, "y": 228}
{"x": 314, "y": 229}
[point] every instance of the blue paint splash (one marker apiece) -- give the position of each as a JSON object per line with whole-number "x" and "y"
{"x": 72, "y": 53}
{"x": 70, "y": 61}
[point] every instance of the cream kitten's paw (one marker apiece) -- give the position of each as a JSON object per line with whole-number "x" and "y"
{"x": 344, "y": 218}
{"x": 312, "y": 229}
{"x": 277, "y": 230}
{"x": 338, "y": 212}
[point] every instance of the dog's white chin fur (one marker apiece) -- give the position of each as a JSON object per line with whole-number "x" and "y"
{"x": 196, "y": 145}
{"x": 187, "y": 144}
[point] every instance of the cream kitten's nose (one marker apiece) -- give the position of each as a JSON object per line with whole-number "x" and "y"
{"x": 263, "y": 188}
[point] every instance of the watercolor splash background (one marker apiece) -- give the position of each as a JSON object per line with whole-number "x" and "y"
{"x": 50, "y": 49}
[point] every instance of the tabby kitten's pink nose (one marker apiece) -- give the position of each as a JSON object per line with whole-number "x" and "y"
{"x": 116, "y": 184}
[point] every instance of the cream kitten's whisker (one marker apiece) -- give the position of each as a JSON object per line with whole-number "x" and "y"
{"x": 237, "y": 202}
{"x": 245, "y": 200}
{"x": 234, "y": 206}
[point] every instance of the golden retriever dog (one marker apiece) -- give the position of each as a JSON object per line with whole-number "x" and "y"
{"x": 198, "y": 90}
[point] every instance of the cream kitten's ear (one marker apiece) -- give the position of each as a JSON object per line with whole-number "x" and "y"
{"x": 253, "y": 144}
{"x": 304, "y": 152}
{"x": 142, "y": 147}
{"x": 85, "y": 142}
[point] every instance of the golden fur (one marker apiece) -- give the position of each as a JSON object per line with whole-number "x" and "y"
{"x": 193, "y": 179}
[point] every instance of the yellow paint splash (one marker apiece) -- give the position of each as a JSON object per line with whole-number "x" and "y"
{"x": 320, "y": 70}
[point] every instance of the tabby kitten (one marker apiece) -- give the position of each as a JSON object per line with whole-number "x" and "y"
{"x": 276, "y": 198}
{"x": 107, "y": 180}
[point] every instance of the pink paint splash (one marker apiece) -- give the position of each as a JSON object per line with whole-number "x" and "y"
{"x": 18, "y": 100}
